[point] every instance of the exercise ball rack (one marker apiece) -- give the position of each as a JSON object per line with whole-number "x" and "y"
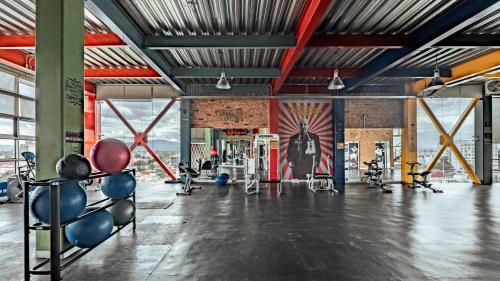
{"x": 55, "y": 226}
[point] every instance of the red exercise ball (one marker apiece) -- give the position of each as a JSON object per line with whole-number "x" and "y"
{"x": 213, "y": 151}
{"x": 110, "y": 155}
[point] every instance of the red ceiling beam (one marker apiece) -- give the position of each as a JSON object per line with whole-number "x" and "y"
{"x": 302, "y": 89}
{"x": 309, "y": 21}
{"x": 90, "y": 41}
{"x": 324, "y": 72}
{"x": 121, "y": 73}
{"x": 387, "y": 41}
{"x": 17, "y": 59}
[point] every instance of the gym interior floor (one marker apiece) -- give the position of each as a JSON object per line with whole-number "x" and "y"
{"x": 219, "y": 233}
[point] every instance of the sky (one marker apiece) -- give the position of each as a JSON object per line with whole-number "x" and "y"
{"x": 448, "y": 111}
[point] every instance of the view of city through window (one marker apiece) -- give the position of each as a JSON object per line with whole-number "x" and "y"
{"x": 164, "y": 139}
{"x": 448, "y": 111}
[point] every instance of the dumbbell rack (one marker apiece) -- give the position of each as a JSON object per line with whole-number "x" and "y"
{"x": 55, "y": 226}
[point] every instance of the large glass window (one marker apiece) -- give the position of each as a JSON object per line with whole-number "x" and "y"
{"x": 26, "y": 145}
{"x": 7, "y": 82}
{"x": 26, "y": 128}
{"x": 16, "y": 101}
{"x": 7, "y": 169}
{"x": 27, "y": 108}
{"x": 6, "y": 126}
{"x": 7, "y": 149}
{"x": 163, "y": 139}
{"x": 26, "y": 89}
{"x": 7, "y": 104}
{"x": 447, "y": 111}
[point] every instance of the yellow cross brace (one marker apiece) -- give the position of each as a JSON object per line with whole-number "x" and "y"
{"x": 448, "y": 138}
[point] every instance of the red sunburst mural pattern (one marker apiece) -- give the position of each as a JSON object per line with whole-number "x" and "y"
{"x": 319, "y": 116}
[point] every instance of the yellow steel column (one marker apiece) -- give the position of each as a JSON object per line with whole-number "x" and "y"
{"x": 408, "y": 138}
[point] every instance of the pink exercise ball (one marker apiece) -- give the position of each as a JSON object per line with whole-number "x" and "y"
{"x": 110, "y": 155}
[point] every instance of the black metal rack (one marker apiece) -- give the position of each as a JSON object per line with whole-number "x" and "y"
{"x": 55, "y": 226}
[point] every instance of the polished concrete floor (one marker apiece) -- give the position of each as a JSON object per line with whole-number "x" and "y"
{"x": 219, "y": 233}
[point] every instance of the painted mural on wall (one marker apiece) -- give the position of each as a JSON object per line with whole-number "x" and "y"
{"x": 305, "y": 129}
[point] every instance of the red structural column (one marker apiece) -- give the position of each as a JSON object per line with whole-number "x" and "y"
{"x": 273, "y": 117}
{"x": 90, "y": 136}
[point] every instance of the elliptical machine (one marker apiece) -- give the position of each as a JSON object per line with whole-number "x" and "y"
{"x": 15, "y": 184}
{"x": 373, "y": 176}
{"x": 423, "y": 182}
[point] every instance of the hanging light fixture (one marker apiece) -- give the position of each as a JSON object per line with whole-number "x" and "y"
{"x": 336, "y": 83}
{"x": 437, "y": 82}
{"x": 223, "y": 83}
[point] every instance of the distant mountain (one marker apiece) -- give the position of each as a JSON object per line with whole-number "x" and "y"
{"x": 160, "y": 145}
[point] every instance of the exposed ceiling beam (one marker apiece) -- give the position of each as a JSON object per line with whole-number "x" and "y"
{"x": 160, "y": 42}
{"x": 454, "y": 19}
{"x": 416, "y": 72}
{"x": 230, "y": 72}
{"x": 118, "y": 20}
{"x": 311, "y": 17}
{"x": 390, "y": 89}
{"x": 99, "y": 40}
{"x": 366, "y": 41}
{"x": 470, "y": 41}
{"x": 387, "y": 41}
{"x": 258, "y": 89}
{"x": 467, "y": 71}
{"x": 120, "y": 73}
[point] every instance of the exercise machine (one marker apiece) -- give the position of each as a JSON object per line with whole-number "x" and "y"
{"x": 188, "y": 174}
{"x": 262, "y": 165}
{"x": 373, "y": 176}
{"x": 208, "y": 168}
{"x": 423, "y": 181}
{"x": 326, "y": 181}
{"x": 15, "y": 184}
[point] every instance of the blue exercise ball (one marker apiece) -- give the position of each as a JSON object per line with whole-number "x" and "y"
{"x": 91, "y": 230}
{"x": 118, "y": 186}
{"x": 72, "y": 202}
{"x": 222, "y": 179}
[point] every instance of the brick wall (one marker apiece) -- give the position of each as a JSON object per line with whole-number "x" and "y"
{"x": 380, "y": 113}
{"x": 367, "y": 139}
{"x": 234, "y": 114}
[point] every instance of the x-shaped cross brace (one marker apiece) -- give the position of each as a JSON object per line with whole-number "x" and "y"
{"x": 447, "y": 138}
{"x": 140, "y": 138}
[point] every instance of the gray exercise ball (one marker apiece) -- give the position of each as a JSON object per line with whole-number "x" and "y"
{"x": 123, "y": 211}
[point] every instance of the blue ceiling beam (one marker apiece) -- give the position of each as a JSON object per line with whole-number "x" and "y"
{"x": 471, "y": 41}
{"x": 453, "y": 20}
{"x": 112, "y": 14}
{"x": 253, "y": 89}
{"x": 161, "y": 42}
{"x": 215, "y": 72}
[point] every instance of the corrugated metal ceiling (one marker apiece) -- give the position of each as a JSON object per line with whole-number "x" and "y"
{"x": 204, "y": 17}
{"x": 380, "y": 16}
{"x": 18, "y": 17}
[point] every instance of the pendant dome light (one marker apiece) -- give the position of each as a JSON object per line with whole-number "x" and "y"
{"x": 336, "y": 83}
{"x": 223, "y": 82}
{"x": 437, "y": 82}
